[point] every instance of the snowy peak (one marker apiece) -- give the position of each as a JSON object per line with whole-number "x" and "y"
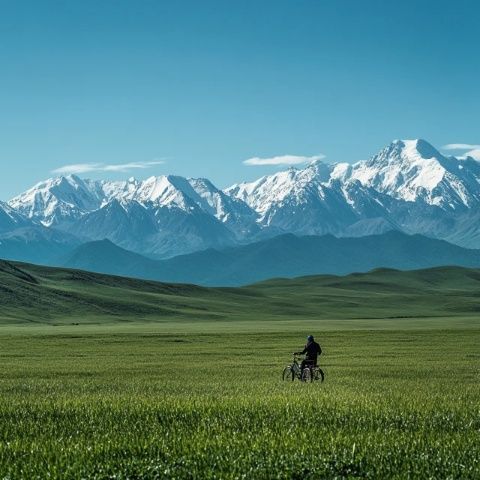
{"x": 423, "y": 148}
{"x": 413, "y": 170}
{"x": 410, "y": 171}
{"x": 408, "y": 186}
{"x": 63, "y": 201}
{"x": 408, "y": 150}
{"x": 165, "y": 190}
{"x": 118, "y": 190}
{"x": 275, "y": 190}
{"x": 231, "y": 211}
{"x": 58, "y": 199}
{"x": 406, "y": 169}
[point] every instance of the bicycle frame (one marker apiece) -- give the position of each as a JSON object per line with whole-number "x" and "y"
{"x": 295, "y": 367}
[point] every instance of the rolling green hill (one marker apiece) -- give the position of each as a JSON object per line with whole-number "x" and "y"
{"x": 35, "y": 294}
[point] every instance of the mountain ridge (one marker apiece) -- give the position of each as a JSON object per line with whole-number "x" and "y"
{"x": 408, "y": 186}
{"x": 286, "y": 256}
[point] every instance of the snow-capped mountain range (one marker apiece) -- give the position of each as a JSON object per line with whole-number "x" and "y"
{"x": 408, "y": 186}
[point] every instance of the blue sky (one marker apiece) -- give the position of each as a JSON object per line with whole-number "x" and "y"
{"x": 196, "y": 88}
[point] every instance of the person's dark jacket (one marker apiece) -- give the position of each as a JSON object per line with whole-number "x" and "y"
{"x": 311, "y": 351}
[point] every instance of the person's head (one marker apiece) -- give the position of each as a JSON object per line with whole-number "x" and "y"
{"x": 310, "y": 339}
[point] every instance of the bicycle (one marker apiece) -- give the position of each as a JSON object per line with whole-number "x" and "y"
{"x": 309, "y": 374}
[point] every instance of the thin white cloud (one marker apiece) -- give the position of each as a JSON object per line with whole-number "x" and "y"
{"x": 460, "y": 146}
{"x": 475, "y": 153}
{"x": 469, "y": 150}
{"x": 283, "y": 160}
{"x": 78, "y": 168}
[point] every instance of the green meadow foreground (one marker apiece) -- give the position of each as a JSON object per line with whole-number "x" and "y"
{"x": 145, "y": 403}
{"x": 185, "y": 398}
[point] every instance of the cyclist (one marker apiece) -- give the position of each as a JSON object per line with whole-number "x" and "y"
{"x": 311, "y": 351}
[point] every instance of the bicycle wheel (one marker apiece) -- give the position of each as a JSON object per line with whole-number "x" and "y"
{"x": 307, "y": 375}
{"x": 288, "y": 374}
{"x": 319, "y": 375}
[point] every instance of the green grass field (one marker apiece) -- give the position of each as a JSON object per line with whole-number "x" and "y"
{"x": 190, "y": 396}
{"x": 207, "y": 401}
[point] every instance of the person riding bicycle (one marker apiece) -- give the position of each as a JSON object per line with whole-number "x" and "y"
{"x": 311, "y": 351}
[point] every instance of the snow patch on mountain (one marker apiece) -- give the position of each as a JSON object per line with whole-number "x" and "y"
{"x": 10, "y": 218}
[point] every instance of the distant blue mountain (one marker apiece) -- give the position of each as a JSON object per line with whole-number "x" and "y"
{"x": 282, "y": 256}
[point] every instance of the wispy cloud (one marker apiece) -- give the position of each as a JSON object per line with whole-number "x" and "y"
{"x": 475, "y": 153}
{"x": 468, "y": 149}
{"x": 283, "y": 160}
{"x": 460, "y": 146}
{"x": 78, "y": 168}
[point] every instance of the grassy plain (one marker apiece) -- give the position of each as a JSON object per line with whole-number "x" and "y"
{"x": 205, "y": 400}
{"x": 111, "y": 378}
